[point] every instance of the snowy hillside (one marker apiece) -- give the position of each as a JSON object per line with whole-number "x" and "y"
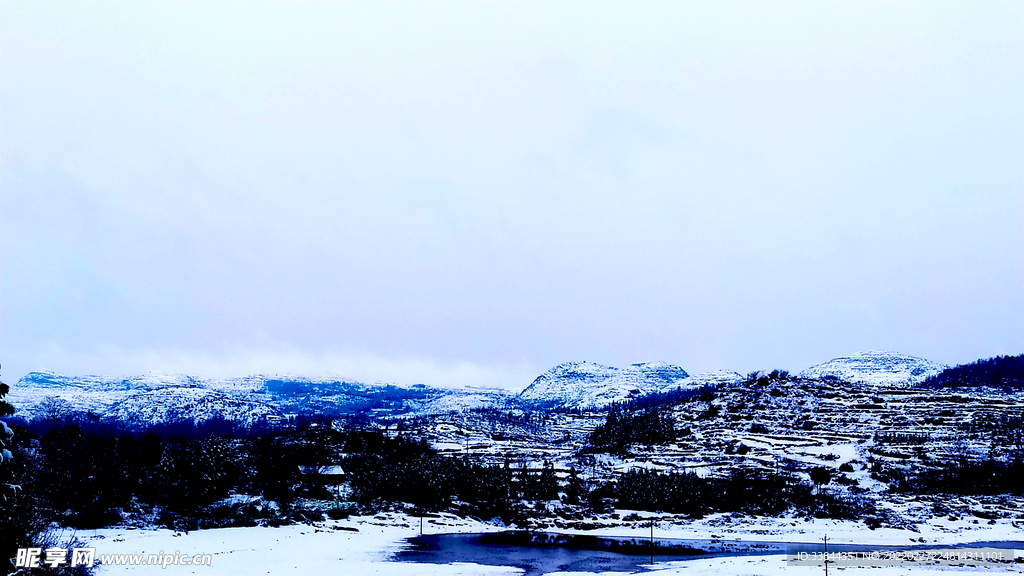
{"x": 54, "y": 381}
{"x": 586, "y": 385}
{"x": 195, "y": 404}
{"x": 158, "y": 396}
{"x": 462, "y": 400}
{"x": 876, "y": 367}
{"x": 48, "y": 393}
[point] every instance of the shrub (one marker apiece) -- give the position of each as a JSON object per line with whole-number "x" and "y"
{"x": 821, "y": 475}
{"x": 338, "y": 513}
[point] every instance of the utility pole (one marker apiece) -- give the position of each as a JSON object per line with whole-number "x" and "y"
{"x": 826, "y": 555}
{"x": 652, "y": 541}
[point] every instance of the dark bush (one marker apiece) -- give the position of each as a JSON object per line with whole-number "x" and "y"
{"x": 338, "y": 513}
{"x": 821, "y": 474}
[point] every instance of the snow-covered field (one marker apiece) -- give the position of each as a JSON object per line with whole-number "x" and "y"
{"x": 301, "y": 549}
{"x": 332, "y": 547}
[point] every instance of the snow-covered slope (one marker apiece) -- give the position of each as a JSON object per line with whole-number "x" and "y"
{"x": 876, "y": 367}
{"x": 48, "y": 393}
{"x": 195, "y": 404}
{"x": 586, "y": 385}
{"x": 461, "y": 400}
{"x": 158, "y": 396}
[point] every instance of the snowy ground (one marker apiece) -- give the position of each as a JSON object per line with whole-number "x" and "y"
{"x": 333, "y": 548}
{"x": 323, "y": 548}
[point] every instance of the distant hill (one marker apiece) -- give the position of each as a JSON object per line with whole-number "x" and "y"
{"x": 586, "y": 385}
{"x": 157, "y": 397}
{"x": 877, "y": 368}
{"x": 997, "y": 372}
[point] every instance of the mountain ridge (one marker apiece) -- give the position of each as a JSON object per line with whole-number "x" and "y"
{"x": 581, "y": 385}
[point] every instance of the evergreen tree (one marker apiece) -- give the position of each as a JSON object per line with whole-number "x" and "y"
{"x": 575, "y": 489}
{"x": 547, "y": 483}
{"x": 9, "y": 537}
{"x": 527, "y": 488}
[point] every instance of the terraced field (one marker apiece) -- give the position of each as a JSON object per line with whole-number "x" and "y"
{"x": 865, "y": 434}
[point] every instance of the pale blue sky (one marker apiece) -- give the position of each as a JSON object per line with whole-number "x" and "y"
{"x": 470, "y": 193}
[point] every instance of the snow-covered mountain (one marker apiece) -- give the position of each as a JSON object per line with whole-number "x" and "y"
{"x": 48, "y": 393}
{"x": 158, "y": 397}
{"x": 586, "y": 385}
{"x": 876, "y": 367}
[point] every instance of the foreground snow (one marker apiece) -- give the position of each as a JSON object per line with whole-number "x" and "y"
{"x": 333, "y": 548}
{"x": 305, "y": 549}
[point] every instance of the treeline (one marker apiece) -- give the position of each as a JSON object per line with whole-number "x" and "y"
{"x": 92, "y": 425}
{"x": 92, "y": 474}
{"x": 997, "y": 372}
{"x": 987, "y": 477}
{"x": 527, "y": 418}
{"x": 183, "y": 476}
{"x": 746, "y": 491}
{"x": 411, "y": 472}
{"x": 901, "y": 438}
{"x": 646, "y": 420}
{"x": 673, "y": 397}
{"x": 622, "y": 428}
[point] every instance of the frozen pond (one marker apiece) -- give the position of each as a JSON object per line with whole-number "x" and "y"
{"x": 540, "y": 553}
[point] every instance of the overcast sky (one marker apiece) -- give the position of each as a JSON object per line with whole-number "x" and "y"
{"x": 471, "y": 193}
